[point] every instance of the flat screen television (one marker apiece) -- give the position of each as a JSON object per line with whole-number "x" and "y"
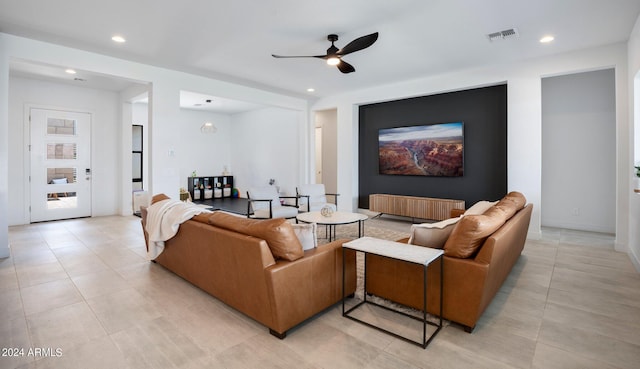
{"x": 424, "y": 150}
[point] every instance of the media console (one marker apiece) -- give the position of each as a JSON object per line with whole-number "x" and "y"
{"x": 414, "y": 206}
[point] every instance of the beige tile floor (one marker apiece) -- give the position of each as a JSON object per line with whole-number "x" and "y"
{"x": 84, "y": 287}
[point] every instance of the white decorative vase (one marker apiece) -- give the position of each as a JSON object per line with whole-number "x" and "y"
{"x": 326, "y": 211}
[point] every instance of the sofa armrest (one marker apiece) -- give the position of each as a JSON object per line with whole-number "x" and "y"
{"x": 464, "y": 289}
{"x": 143, "y": 221}
{"x": 302, "y": 288}
{"x": 456, "y": 212}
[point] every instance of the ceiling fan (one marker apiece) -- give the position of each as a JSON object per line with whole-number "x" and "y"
{"x": 334, "y": 55}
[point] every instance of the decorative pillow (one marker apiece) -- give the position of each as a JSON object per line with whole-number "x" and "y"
{"x": 472, "y": 230}
{"x": 480, "y": 207}
{"x": 432, "y": 235}
{"x": 59, "y": 181}
{"x": 306, "y": 234}
{"x": 277, "y": 232}
{"x": 512, "y": 202}
{"x": 469, "y": 234}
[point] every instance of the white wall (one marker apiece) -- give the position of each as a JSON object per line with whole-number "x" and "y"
{"x": 4, "y": 152}
{"x": 187, "y": 146}
{"x": 106, "y": 147}
{"x": 634, "y": 143}
{"x": 164, "y": 95}
{"x": 140, "y": 114}
{"x": 579, "y": 151}
{"x": 267, "y": 144}
{"x": 208, "y": 153}
{"x": 523, "y": 115}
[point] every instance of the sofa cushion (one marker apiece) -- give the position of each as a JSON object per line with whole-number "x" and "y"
{"x": 432, "y": 235}
{"x": 512, "y": 202}
{"x": 472, "y": 230}
{"x": 306, "y": 234}
{"x": 201, "y": 218}
{"x": 277, "y": 232}
{"x": 159, "y": 197}
{"x": 480, "y": 207}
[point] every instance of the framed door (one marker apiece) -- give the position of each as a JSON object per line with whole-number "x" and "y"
{"x": 318, "y": 155}
{"x": 60, "y": 164}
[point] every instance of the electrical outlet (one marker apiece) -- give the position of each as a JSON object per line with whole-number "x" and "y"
{"x": 575, "y": 212}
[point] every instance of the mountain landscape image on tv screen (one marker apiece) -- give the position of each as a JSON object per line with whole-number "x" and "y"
{"x": 425, "y": 150}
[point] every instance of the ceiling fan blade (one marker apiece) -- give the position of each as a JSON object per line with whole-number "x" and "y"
{"x": 299, "y": 56}
{"x": 358, "y": 44}
{"x": 345, "y": 67}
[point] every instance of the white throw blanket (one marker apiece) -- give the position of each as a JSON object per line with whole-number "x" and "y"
{"x": 163, "y": 220}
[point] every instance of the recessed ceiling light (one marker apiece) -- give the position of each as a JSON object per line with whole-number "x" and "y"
{"x": 70, "y": 71}
{"x": 547, "y": 39}
{"x": 118, "y": 39}
{"x": 311, "y": 89}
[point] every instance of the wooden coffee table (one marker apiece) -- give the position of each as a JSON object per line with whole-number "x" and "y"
{"x": 337, "y": 218}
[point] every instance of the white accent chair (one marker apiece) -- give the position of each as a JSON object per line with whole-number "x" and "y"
{"x": 264, "y": 203}
{"x": 313, "y": 197}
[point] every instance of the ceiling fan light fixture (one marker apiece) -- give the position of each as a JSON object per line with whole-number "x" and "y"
{"x": 333, "y": 60}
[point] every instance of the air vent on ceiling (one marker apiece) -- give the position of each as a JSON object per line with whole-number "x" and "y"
{"x": 503, "y": 35}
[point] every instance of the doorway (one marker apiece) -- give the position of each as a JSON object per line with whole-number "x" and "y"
{"x": 60, "y": 165}
{"x": 579, "y": 151}
{"x": 326, "y": 149}
{"x": 319, "y": 155}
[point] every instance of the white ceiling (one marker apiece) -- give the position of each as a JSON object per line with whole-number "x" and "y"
{"x": 198, "y": 101}
{"x": 54, "y": 73}
{"x": 234, "y": 40}
{"x": 188, "y": 100}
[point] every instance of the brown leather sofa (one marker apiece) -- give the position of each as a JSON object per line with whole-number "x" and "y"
{"x": 233, "y": 259}
{"x": 479, "y": 255}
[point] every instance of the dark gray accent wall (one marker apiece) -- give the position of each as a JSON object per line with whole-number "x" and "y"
{"x": 484, "y": 113}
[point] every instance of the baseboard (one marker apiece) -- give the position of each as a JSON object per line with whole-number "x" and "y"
{"x": 534, "y": 235}
{"x": 577, "y": 226}
{"x": 635, "y": 259}
{"x": 620, "y": 247}
{"x": 4, "y": 252}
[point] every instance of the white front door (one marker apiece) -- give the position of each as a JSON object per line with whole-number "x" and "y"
{"x": 60, "y": 164}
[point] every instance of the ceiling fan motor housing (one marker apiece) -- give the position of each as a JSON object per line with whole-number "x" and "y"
{"x": 332, "y": 50}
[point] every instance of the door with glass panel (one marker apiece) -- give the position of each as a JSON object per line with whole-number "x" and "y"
{"x": 60, "y": 164}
